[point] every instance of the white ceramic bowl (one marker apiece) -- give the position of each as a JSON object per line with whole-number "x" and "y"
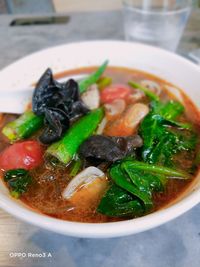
{"x": 170, "y": 67}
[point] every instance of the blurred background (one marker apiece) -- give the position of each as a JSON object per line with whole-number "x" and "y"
{"x": 60, "y": 6}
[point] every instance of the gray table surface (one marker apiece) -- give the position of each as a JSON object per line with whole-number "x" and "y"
{"x": 175, "y": 244}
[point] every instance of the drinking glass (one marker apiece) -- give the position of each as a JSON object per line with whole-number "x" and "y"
{"x": 156, "y": 22}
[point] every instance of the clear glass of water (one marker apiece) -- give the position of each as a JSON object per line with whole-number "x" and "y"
{"x": 156, "y": 22}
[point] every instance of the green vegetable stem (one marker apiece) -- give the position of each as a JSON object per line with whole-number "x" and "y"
{"x": 76, "y": 166}
{"x": 147, "y": 92}
{"x": 66, "y": 148}
{"x": 104, "y": 82}
{"x": 93, "y": 78}
{"x": 23, "y": 127}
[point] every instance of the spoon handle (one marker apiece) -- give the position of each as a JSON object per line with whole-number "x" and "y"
{"x": 15, "y": 101}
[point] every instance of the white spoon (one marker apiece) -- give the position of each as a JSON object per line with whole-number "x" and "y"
{"x": 15, "y": 101}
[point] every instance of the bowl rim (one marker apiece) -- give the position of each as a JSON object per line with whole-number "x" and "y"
{"x": 110, "y": 229}
{"x": 100, "y": 230}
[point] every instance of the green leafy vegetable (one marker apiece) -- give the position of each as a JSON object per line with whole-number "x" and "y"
{"x": 170, "y": 110}
{"x": 121, "y": 179}
{"x": 18, "y": 181}
{"x": 66, "y": 148}
{"x": 134, "y": 184}
{"x": 163, "y": 137}
{"x": 117, "y": 202}
{"x": 157, "y": 169}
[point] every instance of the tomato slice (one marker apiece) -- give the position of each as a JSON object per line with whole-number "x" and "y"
{"x": 116, "y": 91}
{"x": 26, "y": 155}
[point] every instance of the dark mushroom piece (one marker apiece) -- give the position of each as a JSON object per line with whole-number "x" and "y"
{"x": 59, "y": 103}
{"x": 104, "y": 148}
{"x": 56, "y": 122}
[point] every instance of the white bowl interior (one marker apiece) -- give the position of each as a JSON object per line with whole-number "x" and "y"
{"x": 166, "y": 65}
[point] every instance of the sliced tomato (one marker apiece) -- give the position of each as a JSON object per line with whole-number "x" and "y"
{"x": 116, "y": 91}
{"x": 26, "y": 155}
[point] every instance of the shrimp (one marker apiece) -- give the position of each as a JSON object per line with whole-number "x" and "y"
{"x": 128, "y": 123}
